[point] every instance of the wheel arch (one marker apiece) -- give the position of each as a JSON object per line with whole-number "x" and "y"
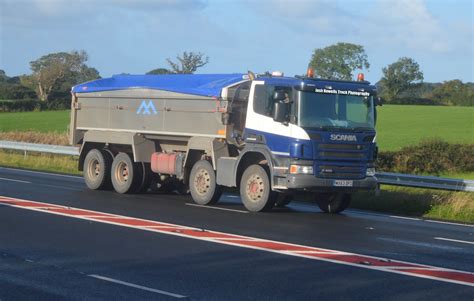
{"x": 85, "y": 148}
{"x": 258, "y": 155}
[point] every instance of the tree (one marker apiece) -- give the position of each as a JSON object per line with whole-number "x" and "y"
{"x": 400, "y": 76}
{"x": 3, "y": 76}
{"x": 85, "y": 74}
{"x": 188, "y": 63}
{"x": 15, "y": 91}
{"x": 454, "y": 92}
{"x": 52, "y": 70}
{"x": 338, "y": 61}
{"x": 159, "y": 71}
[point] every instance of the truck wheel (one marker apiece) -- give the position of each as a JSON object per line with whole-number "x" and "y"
{"x": 333, "y": 202}
{"x": 126, "y": 175}
{"x": 97, "y": 165}
{"x": 202, "y": 183}
{"x": 282, "y": 199}
{"x": 255, "y": 189}
{"x": 147, "y": 176}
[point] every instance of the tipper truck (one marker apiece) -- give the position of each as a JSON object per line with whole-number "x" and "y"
{"x": 269, "y": 136}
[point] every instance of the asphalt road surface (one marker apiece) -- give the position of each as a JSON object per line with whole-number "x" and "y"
{"x": 163, "y": 247}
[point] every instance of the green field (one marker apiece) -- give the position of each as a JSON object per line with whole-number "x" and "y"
{"x": 402, "y": 125}
{"x": 398, "y": 125}
{"x": 45, "y": 121}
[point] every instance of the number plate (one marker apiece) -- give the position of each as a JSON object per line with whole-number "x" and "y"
{"x": 343, "y": 183}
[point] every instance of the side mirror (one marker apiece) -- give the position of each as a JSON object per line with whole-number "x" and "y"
{"x": 279, "y": 96}
{"x": 379, "y": 101}
{"x": 280, "y": 111}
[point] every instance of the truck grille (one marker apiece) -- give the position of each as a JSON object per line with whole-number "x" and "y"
{"x": 340, "y": 172}
{"x": 342, "y": 146}
{"x": 342, "y": 155}
{"x": 341, "y": 160}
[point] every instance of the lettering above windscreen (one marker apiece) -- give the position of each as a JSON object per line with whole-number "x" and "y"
{"x": 342, "y": 92}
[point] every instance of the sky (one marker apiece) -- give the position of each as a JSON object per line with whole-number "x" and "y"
{"x": 136, "y": 36}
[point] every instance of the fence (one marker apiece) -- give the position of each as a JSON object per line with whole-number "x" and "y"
{"x": 386, "y": 178}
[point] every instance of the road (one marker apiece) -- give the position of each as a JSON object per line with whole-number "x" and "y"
{"x": 163, "y": 247}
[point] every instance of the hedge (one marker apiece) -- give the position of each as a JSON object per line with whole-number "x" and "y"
{"x": 429, "y": 157}
{"x": 26, "y": 105}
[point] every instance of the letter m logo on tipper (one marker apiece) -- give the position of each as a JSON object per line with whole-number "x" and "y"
{"x": 147, "y": 108}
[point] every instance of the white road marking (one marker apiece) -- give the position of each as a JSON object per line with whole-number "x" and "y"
{"x": 13, "y": 180}
{"x": 429, "y": 245}
{"x": 448, "y": 223}
{"x": 40, "y": 184}
{"x": 238, "y": 238}
{"x": 315, "y": 252}
{"x": 404, "y": 217}
{"x": 137, "y": 286}
{"x": 464, "y": 278}
{"x": 455, "y": 240}
{"x": 217, "y": 208}
{"x": 360, "y": 212}
{"x": 59, "y": 187}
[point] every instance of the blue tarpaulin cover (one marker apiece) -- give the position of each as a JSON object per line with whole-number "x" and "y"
{"x": 196, "y": 84}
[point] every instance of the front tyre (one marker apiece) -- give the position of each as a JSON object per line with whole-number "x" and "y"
{"x": 202, "y": 184}
{"x": 255, "y": 189}
{"x": 97, "y": 165}
{"x": 333, "y": 202}
{"x": 282, "y": 199}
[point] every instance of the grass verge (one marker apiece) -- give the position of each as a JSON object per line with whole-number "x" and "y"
{"x": 40, "y": 162}
{"x": 418, "y": 202}
{"x": 458, "y": 175}
{"x": 56, "y": 138}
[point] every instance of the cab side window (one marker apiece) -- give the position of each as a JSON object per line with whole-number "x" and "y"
{"x": 263, "y": 98}
{"x": 260, "y": 100}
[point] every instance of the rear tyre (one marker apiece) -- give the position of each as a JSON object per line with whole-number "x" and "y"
{"x": 126, "y": 174}
{"x": 282, "y": 199}
{"x": 255, "y": 189}
{"x": 203, "y": 185}
{"x": 97, "y": 165}
{"x": 333, "y": 202}
{"x": 147, "y": 176}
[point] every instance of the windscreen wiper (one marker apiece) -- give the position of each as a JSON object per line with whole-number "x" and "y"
{"x": 333, "y": 128}
{"x": 363, "y": 128}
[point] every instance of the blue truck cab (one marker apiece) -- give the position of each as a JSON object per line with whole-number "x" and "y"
{"x": 313, "y": 135}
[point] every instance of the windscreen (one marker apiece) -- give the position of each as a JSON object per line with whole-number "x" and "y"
{"x": 323, "y": 110}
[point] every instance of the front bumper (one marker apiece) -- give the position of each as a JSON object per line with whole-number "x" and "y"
{"x": 312, "y": 183}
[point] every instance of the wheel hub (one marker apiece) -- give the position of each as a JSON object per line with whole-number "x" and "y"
{"x": 94, "y": 168}
{"x": 122, "y": 172}
{"x": 255, "y": 188}
{"x": 202, "y": 181}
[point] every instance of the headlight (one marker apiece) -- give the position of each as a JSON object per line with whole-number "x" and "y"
{"x": 301, "y": 169}
{"x": 370, "y": 172}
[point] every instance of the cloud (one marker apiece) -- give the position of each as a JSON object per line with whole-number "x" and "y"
{"x": 159, "y": 5}
{"x": 316, "y": 16}
{"x": 50, "y": 12}
{"x": 113, "y": 32}
{"x": 400, "y": 24}
{"x": 408, "y": 23}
